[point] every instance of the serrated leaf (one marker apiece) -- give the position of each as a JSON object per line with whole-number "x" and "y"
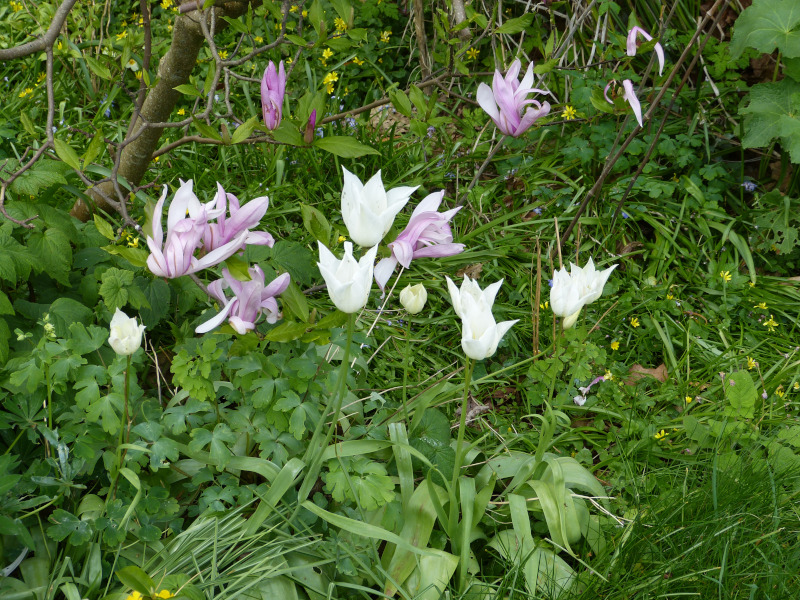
{"x": 157, "y": 293}
{"x": 773, "y": 111}
{"x": 15, "y": 260}
{"x": 66, "y": 153}
{"x": 41, "y": 176}
{"x": 217, "y": 441}
{"x": 360, "y": 480}
{"x": 51, "y": 253}
{"x": 344, "y": 146}
{"x": 83, "y": 340}
{"x": 162, "y": 452}
{"x": 114, "y": 287}
{"x": 767, "y": 25}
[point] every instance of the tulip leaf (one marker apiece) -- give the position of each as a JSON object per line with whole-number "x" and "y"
{"x": 344, "y": 146}
{"x": 767, "y": 25}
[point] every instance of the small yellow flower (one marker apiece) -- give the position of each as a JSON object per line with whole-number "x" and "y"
{"x": 780, "y": 392}
{"x": 634, "y": 322}
{"x": 615, "y": 345}
{"x": 331, "y": 77}
{"x": 796, "y": 386}
{"x": 569, "y": 113}
{"x": 327, "y": 53}
{"x": 138, "y": 75}
{"x": 165, "y": 594}
{"x": 304, "y": 13}
{"x": 342, "y": 239}
{"x": 358, "y": 61}
{"x": 752, "y": 284}
{"x": 688, "y": 399}
{"x": 165, "y": 4}
{"x": 608, "y": 376}
{"x": 41, "y": 77}
{"x": 134, "y": 242}
{"x": 340, "y": 24}
{"x": 329, "y": 88}
{"x": 223, "y": 54}
{"x": 134, "y": 596}
{"x": 670, "y": 297}
{"x": 258, "y": 39}
{"x": 123, "y": 35}
{"x": 761, "y": 305}
{"x": 59, "y": 46}
{"x": 726, "y": 276}
{"x": 770, "y": 324}
{"x": 385, "y": 36}
{"x": 751, "y": 363}
{"x": 472, "y": 53}
{"x": 544, "y": 305}
{"x": 661, "y": 435}
{"x": 181, "y": 112}
{"x": 23, "y": 93}
{"x": 16, "y": 6}
{"x": 293, "y": 8}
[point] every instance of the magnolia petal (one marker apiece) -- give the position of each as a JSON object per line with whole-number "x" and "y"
{"x": 660, "y": 54}
{"x": 439, "y": 251}
{"x": 216, "y": 256}
{"x": 216, "y": 320}
{"x": 485, "y": 99}
{"x": 277, "y": 286}
{"x": 630, "y": 96}
{"x": 429, "y": 203}
{"x": 383, "y": 271}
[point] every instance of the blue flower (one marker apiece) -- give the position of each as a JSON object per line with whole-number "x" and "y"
{"x": 749, "y": 186}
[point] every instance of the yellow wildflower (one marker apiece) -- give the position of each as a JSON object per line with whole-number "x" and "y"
{"x": 358, "y": 61}
{"x": 726, "y": 276}
{"x": 634, "y": 322}
{"x": 796, "y": 386}
{"x": 16, "y": 6}
{"x": 138, "y": 75}
{"x": 342, "y": 239}
{"x": 331, "y": 77}
{"x": 134, "y": 242}
{"x": 385, "y": 36}
{"x": 41, "y": 77}
{"x": 181, "y": 112}
{"x": 165, "y": 4}
{"x": 23, "y": 93}
{"x": 293, "y": 8}
{"x": 615, "y": 345}
{"x": 661, "y": 435}
{"x": 123, "y": 35}
{"x": 258, "y": 39}
{"x": 327, "y": 53}
{"x": 752, "y": 284}
{"x": 304, "y": 13}
{"x": 569, "y": 113}
{"x": 770, "y": 324}
{"x": 329, "y": 88}
{"x": 608, "y": 376}
{"x": 780, "y": 392}
{"x": 761, "y": 305}
{"x": 165, "y": 594}
{"x": 223, "y": 54}
{"x": 751, "y": 363}
{"x": 472, "y": 53}
{"x": 340, "y": 24}
{"x": 544, "y": 305}
{"x": 688, "y": 399}
{"x": 134, "y": 596}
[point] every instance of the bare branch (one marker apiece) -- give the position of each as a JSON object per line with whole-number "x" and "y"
{"x": 46, "y": 41}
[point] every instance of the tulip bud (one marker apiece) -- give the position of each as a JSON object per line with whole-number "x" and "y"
{"x": 125, "y": 335}
{"x": 413, "y": 298}
{"x": 308, "y": 135}
{"x": 571, "y": 319}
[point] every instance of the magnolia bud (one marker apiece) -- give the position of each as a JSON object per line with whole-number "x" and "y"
{"x": 126, "y": 335}
{"x": 308, "y": 135}
{"x": 413, "y": 298}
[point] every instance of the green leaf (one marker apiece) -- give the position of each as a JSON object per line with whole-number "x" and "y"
{"x": 5, "y": 305}
{"x": 157, "y": 293}
{"x": 741, "y": 394}
{"x": 188, "y": 90}
{"x": 766, "y": 25}
{"x": 298, "y": 260}
{"x": 287, "y": 133}
{"x": 52, "y": 253}
{"x": 516, "y": 25}
{"x": 66, "y": 153}
{"x": 360, "y": 480}
{"x": 162, "y": 452}
{"x": 104, "y": 227}
{"x": 136, "y": 256}
{"x": 244, "y": 130}
{"x": 114, "y": 287}
{"x": 401, "y": 102}
{"x": 107, "y": 411}
{"x": 344, "y": 146}
{"x": 773, "y": 111}
{"x": 15, "y": 260}
{"x": 295, "y": 300}
{"x": 95, "y": 148}
{"x": 136, "y": 579}
{"x": 98, "y": 68}
{"x": 207, "y": 130}
{"x": 286, "y": 331}
{"x": 316, "y": 223}
{"x": 42, "y": 175}
{"x": 66, "y": 524}
{"x": 66, "y": 311}
{"x": 218, "y": 440}
{"x": 295, "y": 39}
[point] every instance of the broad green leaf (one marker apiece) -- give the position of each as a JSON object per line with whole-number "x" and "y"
{"x": 98, "y": 68}
{"x": 207, "y": 130}
{"x": 516, "y": 25}
{"x": 767, "y": 25}
{"x": 773, "y": 111}
{"x": 51, "y": 253}
{"x": 66, "y": 153}
{"x": 42, "y": 175}
{"x": 114, "y": 287}
{"x": 157, "y": 293}
{"x": 107, "y": 411}
{"x": 104, "y": 227}
{"x": 344, "y": 146}
{"x": 15, "y": 260}
{"x": 316, "y": 223}
{"x": 287, "y": 133}
{"x": 188, "y": 90}
{"x": 136, "y": 579}
{"x": 244, "y": 130}
{"x": 65, "y": 524}
{"x": 361, "y": 480}
{"x": 136, "y": 256}
{"x": 95, "y": 148}
{"x": 741, "y": 394}
{"x": 5, "y": 305}
{"x": 400, "y": 101}
{"x": 66, "y": 311}
{"x": 431, "y": 577}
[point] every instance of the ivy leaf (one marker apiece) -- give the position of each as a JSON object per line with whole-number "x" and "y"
{"x": 364, "y": 481}
{"x": 114, "y": 288}
{"x": 773, "y": 111}
{"x": 766, "y": 25}
{"x": 66, "y": 524}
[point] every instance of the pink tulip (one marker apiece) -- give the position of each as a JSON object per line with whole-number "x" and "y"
{"x": 251, "y": 299}
{"x": 187, "y": 221}
{"x": 273, "y": 88}
{"x": 631, "y": 46}
{"x": 241, "y": 220}
{"x": 427, "y": 235}
{"x": 506, "y": 100}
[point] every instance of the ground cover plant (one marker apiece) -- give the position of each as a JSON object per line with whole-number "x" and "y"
{"x": 340, "y": 299}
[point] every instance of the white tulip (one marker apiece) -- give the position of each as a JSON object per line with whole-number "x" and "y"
{"x": 349, "y": 281}
{"x": 125, "y": 334}
{"x": 480, "y": 333}
{"x": 574, "y": 290}
{"x": 368, "y": 209}
{"x": 413, "y": 298}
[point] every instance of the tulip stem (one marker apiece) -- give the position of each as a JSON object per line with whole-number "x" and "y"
{"x": 480, "y": 170}
{"x": 317, "y": 445}
{"x": 462, "y": 425}
{"x": 405, "y": 370}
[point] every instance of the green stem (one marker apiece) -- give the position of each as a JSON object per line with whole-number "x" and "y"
{"x": 14, "y": 443}
{"x": 317, "y": 445}
{"x": 462, "y": 425}
{"x": 405, "y": 370}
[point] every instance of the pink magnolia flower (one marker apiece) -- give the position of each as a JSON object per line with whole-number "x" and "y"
{"x": 427, "y": 235}
{"x": 631, "y": 46}
{"x": 251, "y": 299}
{"x": 273, "y": 88}
{"x": 506, "y": 100}
{"x": 242, "y": 218}
{"x": 187, "y": 221}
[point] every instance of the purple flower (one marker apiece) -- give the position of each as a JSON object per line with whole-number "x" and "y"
{"x": 750, "y": 186}
{"x": 631, "y": 46}
{"x": 630, "y": 97}
{"x": 187, "y": 221}
{"x": 250, "y": 300}
{"x": 273, "y": 88}
{"x": 506, "y": 100}
{"x": 427, "y": 235}
{"x": 308, "y": 134}
{"x": 241, "y": 220}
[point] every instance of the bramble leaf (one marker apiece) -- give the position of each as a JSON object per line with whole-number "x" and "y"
{"x": 766, "y": 25}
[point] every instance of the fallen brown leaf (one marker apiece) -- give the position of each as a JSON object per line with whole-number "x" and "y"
{"x": 637, "y": 372}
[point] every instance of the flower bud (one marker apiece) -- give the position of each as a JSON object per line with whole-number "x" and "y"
{"x": 126, "y": 335}
{"x": 413, "y": 298}
{"x": 308, "y": 135}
